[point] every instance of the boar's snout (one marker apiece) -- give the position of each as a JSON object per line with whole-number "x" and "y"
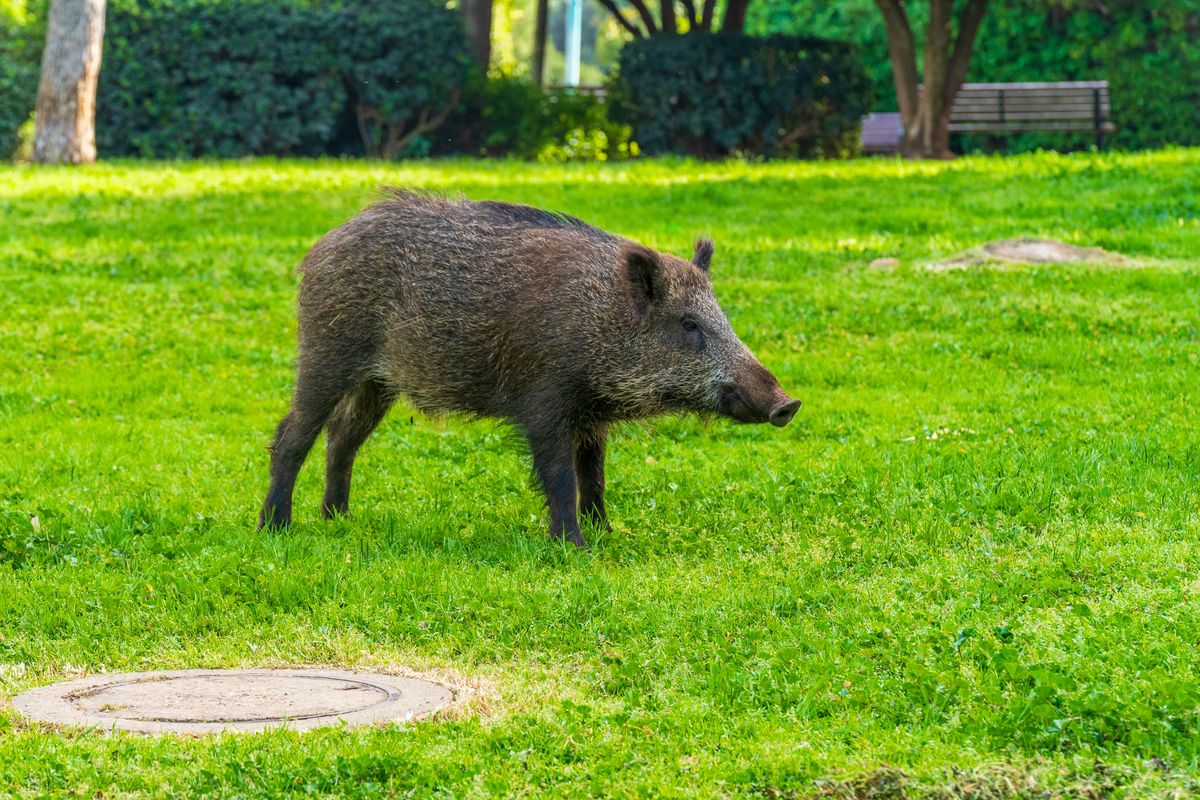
{"x": 782, "y": 414}
{"x": 755, "y": 396}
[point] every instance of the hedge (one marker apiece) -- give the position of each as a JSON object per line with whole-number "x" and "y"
{"x": 231, "y": 78}
{"x": 719, "y": 94}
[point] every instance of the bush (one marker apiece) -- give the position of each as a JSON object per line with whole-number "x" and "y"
{"x": 405, "y": 65}
{"x": 510, "y": 116}
{"x": 582, "y": 129}
{"x": 713, "y": 95}
{"x": 231, "y": 78}
{"x": 18, "y": 79}
{"x": 223, "y": 78}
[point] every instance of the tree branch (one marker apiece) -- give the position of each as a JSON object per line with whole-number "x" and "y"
{"x": 689, "y": 6}
{"x": 611, "y": 6}
{"x": 964, "y": 46}
{"x": 706, "y": 19}
{"x": 903, "y": 55}
{"x": 647, "y": 17}
{"x": 668, "y": 17}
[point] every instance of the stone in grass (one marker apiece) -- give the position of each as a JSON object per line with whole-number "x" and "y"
{"x": 1028, "y": 251}
{"x": 884, "y": 263}
{"x": 237, "y": 700}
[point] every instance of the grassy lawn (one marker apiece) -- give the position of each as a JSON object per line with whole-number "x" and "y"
{"x": 971, "y": 566}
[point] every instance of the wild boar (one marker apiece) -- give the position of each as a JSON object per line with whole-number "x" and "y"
{"x": 507, "y": 311}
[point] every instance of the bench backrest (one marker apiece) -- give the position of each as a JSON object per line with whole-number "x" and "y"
{"x": 881, "y": 132}
{"x": 1073, "y": 106}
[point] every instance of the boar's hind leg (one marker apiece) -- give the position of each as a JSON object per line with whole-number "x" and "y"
{"x": 349, "y": 426}
{"x": 589, "y": 468}
{"x": 554, "y": 463}
{"x": 316, "y": 397}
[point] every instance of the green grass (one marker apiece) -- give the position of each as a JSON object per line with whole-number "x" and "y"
{"x": 971, "y": 566}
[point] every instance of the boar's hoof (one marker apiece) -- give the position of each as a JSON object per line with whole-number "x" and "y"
{"x": 273, "y": 520}
{"x": 574, "y": 537}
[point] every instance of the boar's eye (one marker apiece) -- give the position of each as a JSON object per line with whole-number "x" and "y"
{"x": 692, "y": 333}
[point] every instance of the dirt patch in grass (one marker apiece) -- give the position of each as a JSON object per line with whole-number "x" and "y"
{"x": 1029, "y": 251}
{"x": 1000, "y": 781}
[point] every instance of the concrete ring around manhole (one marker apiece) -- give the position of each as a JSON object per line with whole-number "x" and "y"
{"x": 214, "y": 700}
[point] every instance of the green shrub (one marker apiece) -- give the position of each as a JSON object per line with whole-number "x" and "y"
{"x": 713, "y": 95}
{"x": 499, "y": 116}
{"x": 510, "y": 116}
{"x": 19, "y": 49}
{"x": 582, "y": 129}
{"x": 223, "y": 78}
{"x": 230, "y": 78}
{"x": 405, "y": 64}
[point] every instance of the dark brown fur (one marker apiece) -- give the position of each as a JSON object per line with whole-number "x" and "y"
{"x": 505, "y": 311}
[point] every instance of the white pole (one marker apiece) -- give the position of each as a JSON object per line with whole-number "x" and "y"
{"x": 574, "y": 41}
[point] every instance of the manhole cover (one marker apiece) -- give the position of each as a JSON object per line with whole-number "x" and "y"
{"x": 206, "y": 701}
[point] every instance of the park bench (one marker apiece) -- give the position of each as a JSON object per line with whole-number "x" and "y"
{"x": 995, "y": 108}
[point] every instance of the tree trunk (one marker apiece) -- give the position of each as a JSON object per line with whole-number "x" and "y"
{"x": 668, "y": 17}
{"x": 925, "y": 111}
{"x": 935, "y": 104}
{"x": 66, "y": 104}
{"x": 477, "y": 19}
{"x": 540, "y": 21}
{"x": 734, "y": 20}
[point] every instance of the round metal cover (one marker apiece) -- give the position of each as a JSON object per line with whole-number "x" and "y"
{"x": 208, "y": 701}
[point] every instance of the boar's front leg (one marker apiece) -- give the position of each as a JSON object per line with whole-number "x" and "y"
{"x": 589, "y": 468}
{"x": 554, "y": 462}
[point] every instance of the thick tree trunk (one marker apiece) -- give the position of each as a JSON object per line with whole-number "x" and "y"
{"x": 66, "y": 104}
{"x": 925, "y": 111}
{"x": 935, "y": 105}
{"x": 477, "y": 19}
{"x": 902, "y": 51}
{"x": 734, "y": 20}
{"x": 540, "y": 22}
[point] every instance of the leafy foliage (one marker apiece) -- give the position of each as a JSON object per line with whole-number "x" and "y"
{"x": 405, "y": 63}
{"x": 216, "y": 78}
{"x": 713, "y": 95}
{"x": 510, "y": 116}
{"x": 20, "y": 46}
{"x": 1148, "y": 51}
{"x": 230, "y": 78}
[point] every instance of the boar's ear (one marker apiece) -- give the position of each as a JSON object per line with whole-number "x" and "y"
{"x": 645, "y": 279}
{"x": 702, "y": 257}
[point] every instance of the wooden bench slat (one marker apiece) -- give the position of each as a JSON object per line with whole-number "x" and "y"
{"x": 1030, "y": 92}
{"x": 994, "y": 109}
{"x": 1024, "y": 127}
{"x": 1023, "y": 116}
{"x": 1038, "y": 85}
{"x": 1028, "y": 101}
{"x": 1017, "y": 102}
